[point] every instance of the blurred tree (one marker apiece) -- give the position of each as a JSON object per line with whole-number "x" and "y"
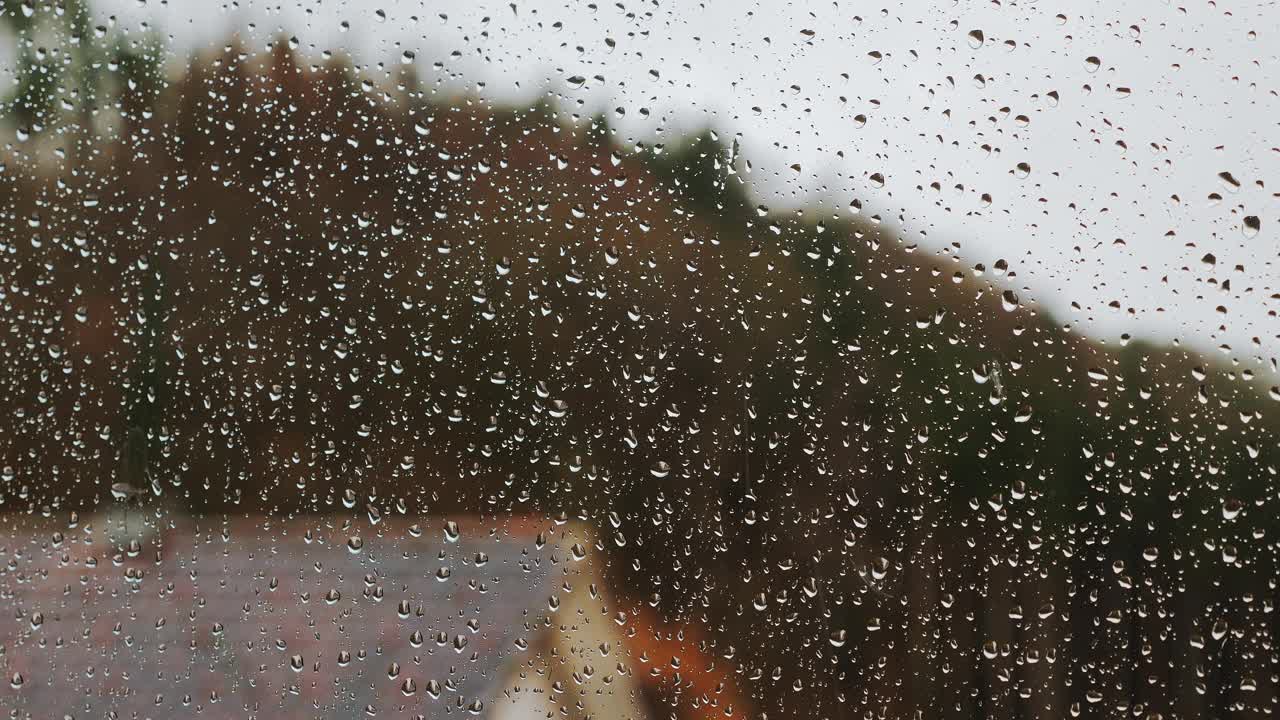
{"x": 37, "y": 70}
{"x": 60, "y": 69}
{"x": 703, "y": 168}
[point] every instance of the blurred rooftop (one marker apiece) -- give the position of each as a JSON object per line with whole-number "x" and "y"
{"x": 316, "y": 616}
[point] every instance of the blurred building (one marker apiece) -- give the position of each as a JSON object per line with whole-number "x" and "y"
{"x": 328, "y": 617}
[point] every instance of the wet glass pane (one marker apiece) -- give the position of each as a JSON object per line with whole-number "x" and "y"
{"x": 637, "y": 360}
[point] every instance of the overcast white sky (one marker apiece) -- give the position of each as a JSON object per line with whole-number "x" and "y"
{"x": 1188, "y": 88}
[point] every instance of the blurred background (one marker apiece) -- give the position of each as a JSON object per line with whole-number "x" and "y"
{"x": 824, "y": 362}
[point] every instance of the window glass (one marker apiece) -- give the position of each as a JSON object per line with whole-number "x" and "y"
{"x": 637, "y": 359}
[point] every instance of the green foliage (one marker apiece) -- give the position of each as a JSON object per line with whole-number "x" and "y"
{"x": 13, "y": 14}
{"x": 698, "y": 168}
{"x": 140, "y": 65}
{"x": 75, "y": 71}
{"x": 33, "y": 102}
